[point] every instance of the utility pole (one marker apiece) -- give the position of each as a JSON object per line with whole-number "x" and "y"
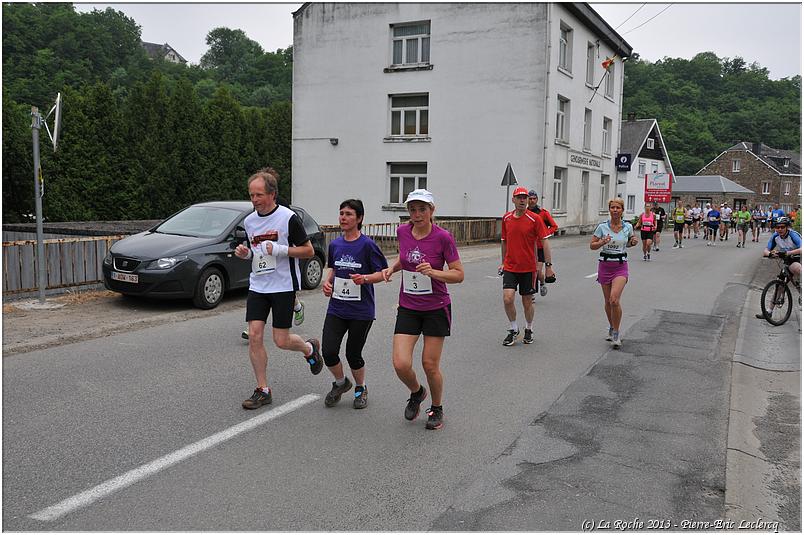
{"x": 36, "y": 125}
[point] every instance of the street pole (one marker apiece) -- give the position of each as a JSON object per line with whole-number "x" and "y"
{"x": 36, "y": 124}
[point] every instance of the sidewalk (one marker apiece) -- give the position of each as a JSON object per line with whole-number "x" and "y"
{"x": 763, "y": 458}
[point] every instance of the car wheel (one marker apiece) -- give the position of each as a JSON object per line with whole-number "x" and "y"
{"x": 209, "y": 289}
{"x": 312, "y": 271}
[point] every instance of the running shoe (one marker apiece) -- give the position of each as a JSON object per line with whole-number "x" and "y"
{"x": 550, "y": 279}
{"x": 298, "y": 315}
{"x": 361, "y": 397}
{"x": 334, "y": 395}
{"x": 680, "y": 246}
{"x": 528, "y": 338}
{"x": 543, "y": 290}
{"x": 435, "y": 418}
{"x": 648, "y": 257}
{"x": 257, "y": 399}
{"x": 611, "y": 333}
{"x": 509, "y": 340}
{"x": 244, "y": 335}
{"x": 616, "y": 343}
{"x": 412, "y": 408}
{"x": 645, "y": 257}
{"x": 675, "y": 245}
{"x": 314, "y": 359}
{"x": 760, "y": 316}
{"x": 656, "y": 249}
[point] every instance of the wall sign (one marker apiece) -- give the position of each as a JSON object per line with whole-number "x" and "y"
{"x": 658, "y": 187}
{"x": 623, "y": 162}
{"x": 584, "y": 161}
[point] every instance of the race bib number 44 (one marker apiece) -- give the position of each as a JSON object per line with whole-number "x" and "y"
{"x": 345, "y": 290}
{"x": 415, "y": 283}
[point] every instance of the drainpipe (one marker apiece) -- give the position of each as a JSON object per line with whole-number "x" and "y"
{"x": 620, "y": 135}
{"x": 548, "y": 54}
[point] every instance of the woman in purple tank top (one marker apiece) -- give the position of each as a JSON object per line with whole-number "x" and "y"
{"x": 428, "y": 259}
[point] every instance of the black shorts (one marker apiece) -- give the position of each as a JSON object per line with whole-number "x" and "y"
{"x": 525, "y": 282}
{"x": 688, "y": 222}
{"x": 540, "y": 254}
{"x": 258, "y": 305}
{"x": 646, "y": 234}
{"x": 660, "y": 226}
{"x": 427, "y": 322}
{"x": 678, "y": 227}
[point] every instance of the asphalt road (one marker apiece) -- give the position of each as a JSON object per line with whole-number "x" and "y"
{"x": 537, "y": 437}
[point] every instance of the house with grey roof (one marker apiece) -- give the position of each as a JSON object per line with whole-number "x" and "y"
{"x": 714, "y": 189}
{"x": 642, "y": 140}
{"x": 165, "y": 52}
{"x": 774, "y": 174}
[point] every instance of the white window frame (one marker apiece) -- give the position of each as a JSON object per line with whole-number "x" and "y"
{"x": 559, "y": 189}
{"x": 630, "y": 203}
{"x": 788, "y": 187}
{"x": 565, "y": 47}
{"x": 649, "y": 143}
{"x": 418, "y": 111}
{"x": 417, "y": 177}
{"x": 562, "y": 119}
{"x": 654, "y": 167}
{"x": 610, "y": 81}
{"x": 606, "y": 147}
{"x": 643, "y": 169}
{"x": 590, "y": 63}
{"x": 604, "y": 192}
{"x": 587, "y": 129}
{"x": 420, "y": 41}
{"x": 766, "y": 187}
{"x": 735, "y": 166}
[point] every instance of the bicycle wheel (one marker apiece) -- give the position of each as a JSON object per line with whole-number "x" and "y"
{"x": 777, "y": 302}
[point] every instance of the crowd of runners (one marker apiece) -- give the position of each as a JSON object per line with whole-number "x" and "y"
{"x": 428, "y": 261}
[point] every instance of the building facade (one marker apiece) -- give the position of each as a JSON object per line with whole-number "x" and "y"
{"x": 166, "y": 52}
{"x": 642, "y": 140}
{"x": 388, "y": 98}
{"x": 773, "y": 175}
{"x": 701, "y": 189}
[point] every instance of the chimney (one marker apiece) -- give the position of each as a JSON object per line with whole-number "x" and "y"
{"x": 756, "y": 148}
{"x": 632, "y": 116}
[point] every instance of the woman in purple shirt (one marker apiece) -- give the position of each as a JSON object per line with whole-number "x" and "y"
{"x": 425, "y": 249}
{"x": 355, "y": 263}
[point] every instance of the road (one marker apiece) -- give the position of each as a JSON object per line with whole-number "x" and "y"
{"x": 143, "y": 430}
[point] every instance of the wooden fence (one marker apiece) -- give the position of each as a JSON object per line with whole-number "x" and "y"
{"x": 68, "y": 261}
{"x": 74, "y": 261}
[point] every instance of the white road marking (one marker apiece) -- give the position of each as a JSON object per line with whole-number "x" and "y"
{"x": 493, "y": 277}
{"x": 110, "y": 486}
{"x": 590, "y": 276}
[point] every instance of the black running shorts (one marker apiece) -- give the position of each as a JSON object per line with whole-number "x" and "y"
{"x": 525, "y": 282}
{"x": 646, "y": 234}
{"x": 436, "y": 322}
{"x": 259, "y": 305}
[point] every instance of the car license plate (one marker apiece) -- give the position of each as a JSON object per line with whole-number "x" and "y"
{"x": 125, "y": 277}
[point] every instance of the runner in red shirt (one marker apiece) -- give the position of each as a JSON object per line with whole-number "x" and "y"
{"x": 544, "y": 255}
{"x": 521, "y": 230}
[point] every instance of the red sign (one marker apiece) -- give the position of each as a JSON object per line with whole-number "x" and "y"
{"x": 658, "y": 187}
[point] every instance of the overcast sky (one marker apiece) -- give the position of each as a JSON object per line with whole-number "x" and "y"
{"x": 769, "y": 34}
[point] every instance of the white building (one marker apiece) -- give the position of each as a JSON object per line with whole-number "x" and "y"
{"x": 642, "y": 139}
{"x": 392, "y": 97}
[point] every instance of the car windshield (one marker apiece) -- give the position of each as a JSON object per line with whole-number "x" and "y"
{"x": 199, "y": 221}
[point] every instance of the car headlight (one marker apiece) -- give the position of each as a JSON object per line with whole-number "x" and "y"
{"x": 167, "y": 262}
{"x": 107, "y": 261}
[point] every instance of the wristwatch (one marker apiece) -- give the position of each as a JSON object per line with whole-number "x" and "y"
{"x": 549, "y": 264}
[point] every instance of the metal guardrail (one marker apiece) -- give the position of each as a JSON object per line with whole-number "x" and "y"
{"x": 69, "y": 262}
{"x": 465, "y": 232}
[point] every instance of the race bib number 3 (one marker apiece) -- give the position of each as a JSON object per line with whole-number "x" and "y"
{"x": 262, "y": 264}
{"x": 345, "y": 290}
{"x": 415, "y": 283}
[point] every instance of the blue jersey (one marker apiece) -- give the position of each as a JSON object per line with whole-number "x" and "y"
{"x": 792, "y": 241}
{"x": 776, "y": 214}
{"x": 361, "y": 256}
{"x": 712, "y": 217}
{"x": 619, "y": 240}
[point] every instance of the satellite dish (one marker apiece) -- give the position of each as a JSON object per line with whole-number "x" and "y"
{"x": 54, "y": 136}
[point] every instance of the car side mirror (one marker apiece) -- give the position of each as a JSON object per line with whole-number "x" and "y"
{"x": 239, "y": 237}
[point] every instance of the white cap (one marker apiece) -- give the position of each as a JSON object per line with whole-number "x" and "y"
{"x": 420, "y": 195}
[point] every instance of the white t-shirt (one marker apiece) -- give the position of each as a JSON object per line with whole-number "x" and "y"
{"x": 281, "y": 226}
{"x": 725, "y": 215}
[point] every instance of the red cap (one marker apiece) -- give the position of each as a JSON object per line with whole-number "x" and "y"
{"x": 520, "y": 191}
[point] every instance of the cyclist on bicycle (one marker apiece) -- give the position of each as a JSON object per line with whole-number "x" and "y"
{"x": 785, "y": 243}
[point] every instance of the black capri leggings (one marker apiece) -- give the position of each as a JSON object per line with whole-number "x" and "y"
{"x": 334, "y": 330}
